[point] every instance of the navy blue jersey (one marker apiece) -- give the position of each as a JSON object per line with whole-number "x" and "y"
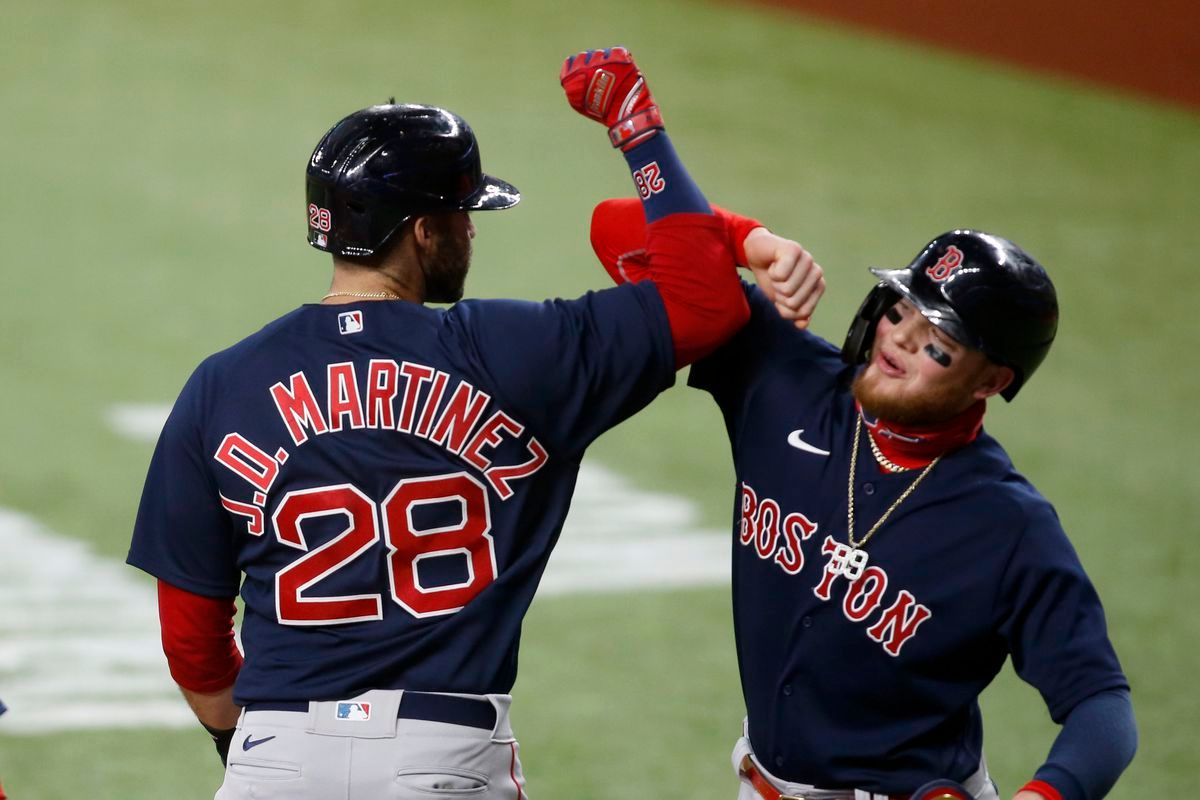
{"x": 874, "y": 683}
{"x": 391, "y": 478}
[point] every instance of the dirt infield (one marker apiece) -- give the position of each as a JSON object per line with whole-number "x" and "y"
{"x": 1151, "y": 47}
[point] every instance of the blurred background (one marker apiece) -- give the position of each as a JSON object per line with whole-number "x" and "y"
{"x": 153, "y": 213}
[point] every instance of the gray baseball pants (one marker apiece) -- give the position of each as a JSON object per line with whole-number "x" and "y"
{"x": 377, "y": 747}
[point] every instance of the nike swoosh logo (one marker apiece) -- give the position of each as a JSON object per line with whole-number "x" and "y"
{"x": 795, "y": 441}
{"x": 249, "y": 743}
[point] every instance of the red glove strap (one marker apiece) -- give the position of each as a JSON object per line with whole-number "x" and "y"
{"x": 1044, "y": 789}
{"x": 634, "y": 130}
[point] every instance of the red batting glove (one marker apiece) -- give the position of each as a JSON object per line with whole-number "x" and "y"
{"x": 607, "y": 86}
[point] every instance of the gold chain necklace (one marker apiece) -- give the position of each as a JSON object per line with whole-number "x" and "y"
{"x": 889, "y": 465}
{"x": 852, "y": 560}
{"x": 373, "y": 295}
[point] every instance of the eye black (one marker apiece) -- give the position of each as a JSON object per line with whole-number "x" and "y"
{"x": 938, "y": 355}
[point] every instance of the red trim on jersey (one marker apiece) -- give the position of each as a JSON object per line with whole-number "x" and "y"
{"x": 197, "y": 638}
{"x": 702, "y": 295}
{"x": 912, "y": 447}
{"x": 738, "y": 228}
{"x": 512, "y": 770}
{"x": 1044, "y": 789}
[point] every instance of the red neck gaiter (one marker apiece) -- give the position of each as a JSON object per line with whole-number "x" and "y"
{"x": 913, "y": 446}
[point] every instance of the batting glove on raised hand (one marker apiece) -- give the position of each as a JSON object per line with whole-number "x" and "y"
{"x": 607, "y": 86}
{"x": 942, "y": 790}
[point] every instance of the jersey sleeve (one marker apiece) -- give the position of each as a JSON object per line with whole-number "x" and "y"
{"x": 1052, "y": 618}
{"x": 198, "y": 639}
{"x": 182, "y": 534}
{"x": 618, "y": 236}
{"x": 688, "y": 258}
{"x": 571, "y": 368}
{"x": 723, "y": 372}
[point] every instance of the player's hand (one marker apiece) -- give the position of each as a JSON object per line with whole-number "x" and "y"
{"x": 607, "y": 86}
{"x": 786, "y": 273}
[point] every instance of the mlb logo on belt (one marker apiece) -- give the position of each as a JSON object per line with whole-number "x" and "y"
{"x": 350, "y": 322}
{"x": 354, "y": 711}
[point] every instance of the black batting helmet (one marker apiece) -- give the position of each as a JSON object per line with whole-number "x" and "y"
{"x": 982, "y": 290}
{"x": 385, "y": 164}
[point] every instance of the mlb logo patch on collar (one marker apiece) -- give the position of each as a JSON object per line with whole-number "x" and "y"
{"x": 354, "y": 712}
{"x": 350, "y": 322}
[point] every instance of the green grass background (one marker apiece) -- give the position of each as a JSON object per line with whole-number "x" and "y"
{"x": 152, "y": 212}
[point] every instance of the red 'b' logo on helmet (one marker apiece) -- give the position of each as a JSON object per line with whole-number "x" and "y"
{"x": 951, "y": 260}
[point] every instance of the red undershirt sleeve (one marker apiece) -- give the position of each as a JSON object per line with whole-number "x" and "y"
{"x": 737, "y": 228}
{"x": 703, "y": 298}
{"x": 197, "y": 639}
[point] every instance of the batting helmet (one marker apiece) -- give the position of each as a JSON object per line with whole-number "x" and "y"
{"x": 982, "y": 290}
{"x": 385, "y": 164}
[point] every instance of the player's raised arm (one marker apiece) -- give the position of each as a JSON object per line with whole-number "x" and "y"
{"x": 783, "y": 269}
{"x": 685, "y": 250}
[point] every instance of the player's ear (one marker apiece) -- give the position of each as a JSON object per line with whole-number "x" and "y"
{"x": 424, "y": 229}
{"x": 995, "y": 380}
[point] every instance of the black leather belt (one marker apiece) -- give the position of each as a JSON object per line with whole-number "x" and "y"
{"x": 469, "y": 711}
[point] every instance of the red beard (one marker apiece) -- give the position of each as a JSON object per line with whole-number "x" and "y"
{"x": 913, "y": 445}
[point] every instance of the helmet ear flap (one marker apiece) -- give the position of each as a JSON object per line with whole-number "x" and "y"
{"x": 861, "y": 335}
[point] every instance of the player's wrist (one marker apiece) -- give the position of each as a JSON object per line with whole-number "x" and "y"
{"x": 757, "y": 240}
{"x": 636, "y": 128}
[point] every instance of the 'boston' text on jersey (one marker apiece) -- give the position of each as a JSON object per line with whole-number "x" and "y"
{"x": 778, "y": 537}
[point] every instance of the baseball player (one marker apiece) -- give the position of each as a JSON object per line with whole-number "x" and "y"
{"x": 887, "y": 556}
{"x": 384, "y": 481}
